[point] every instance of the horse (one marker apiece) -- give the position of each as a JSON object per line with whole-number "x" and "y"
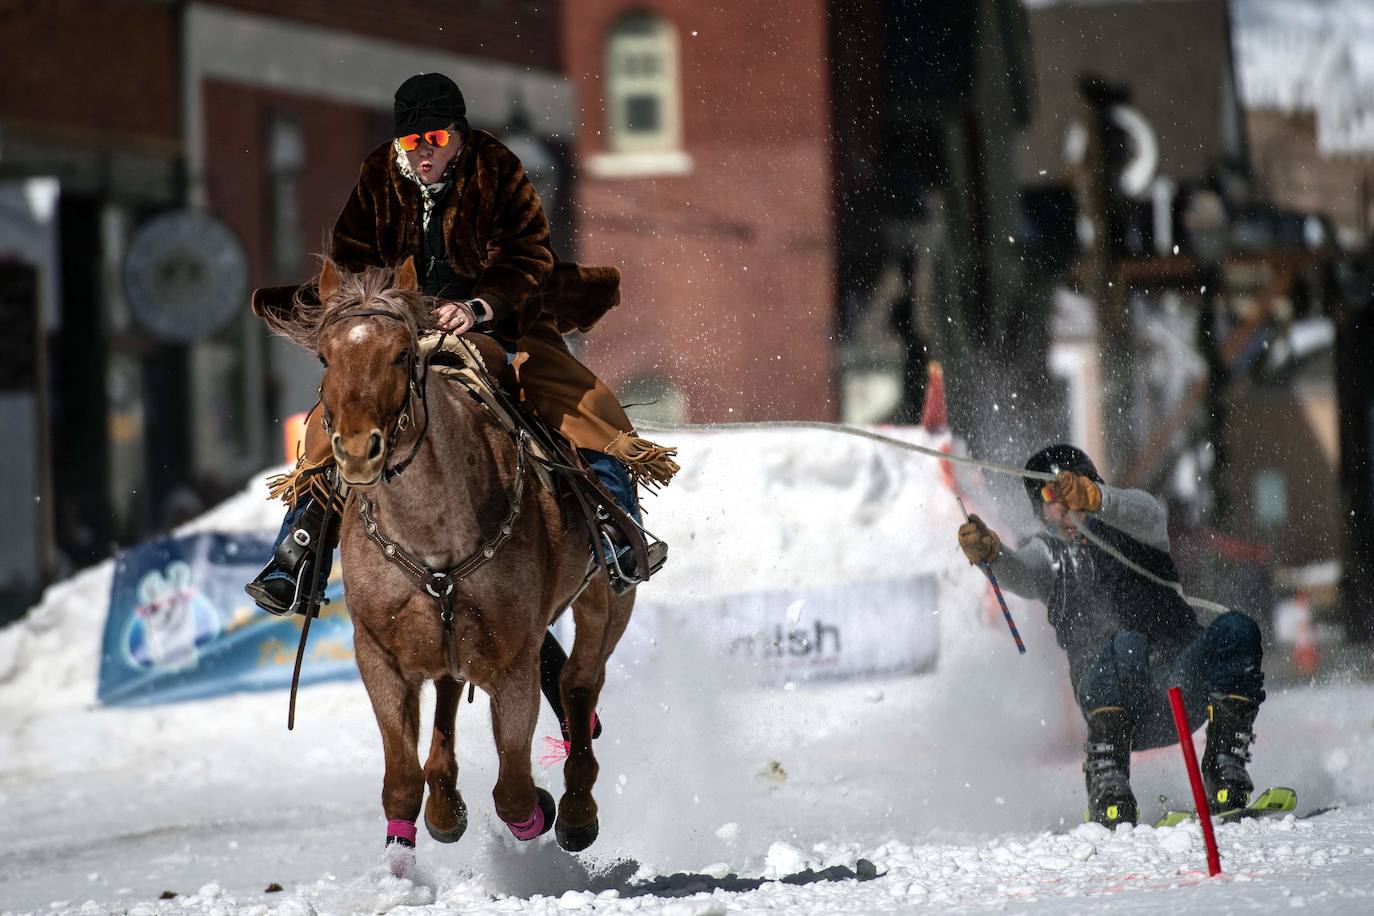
{"x": 508, "y": 566}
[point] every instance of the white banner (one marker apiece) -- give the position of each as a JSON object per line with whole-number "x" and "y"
{"x": 831, "y": 632}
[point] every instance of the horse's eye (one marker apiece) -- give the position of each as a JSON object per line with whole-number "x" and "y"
{"x": 323, "y": 362}
{"x": 401, "y": 357}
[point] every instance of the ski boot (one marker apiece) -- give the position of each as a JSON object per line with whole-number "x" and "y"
{"x": 280, "y": 587}
{"x": 1230, "y": 731}
{"x": 1107, "y": 771}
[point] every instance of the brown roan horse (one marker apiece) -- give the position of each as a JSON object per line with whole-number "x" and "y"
{"x": 450, "y": 506}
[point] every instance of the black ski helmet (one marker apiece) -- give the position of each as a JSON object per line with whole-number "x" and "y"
{"x": 1051, "y": 460}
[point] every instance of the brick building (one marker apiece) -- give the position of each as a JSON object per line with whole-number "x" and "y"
{"x": 705, "y": 175}
{"x": 84, "y": 155}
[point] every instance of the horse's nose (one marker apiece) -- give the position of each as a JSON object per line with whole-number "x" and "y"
{"x": 359, "y": 455}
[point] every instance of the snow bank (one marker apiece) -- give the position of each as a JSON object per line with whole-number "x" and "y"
{"x": 702, "y": 769}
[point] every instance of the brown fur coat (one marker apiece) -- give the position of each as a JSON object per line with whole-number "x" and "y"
{"x": 496, "y": 235}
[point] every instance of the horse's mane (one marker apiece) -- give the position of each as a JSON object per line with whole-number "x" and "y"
{"x": 371, "y": 288}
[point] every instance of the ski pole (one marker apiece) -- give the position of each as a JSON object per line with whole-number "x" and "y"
{"x": 997, "y": 590}
{"x": 1204, "y": 814}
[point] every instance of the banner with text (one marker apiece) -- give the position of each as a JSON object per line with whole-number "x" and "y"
{"x": 860, "y": 629}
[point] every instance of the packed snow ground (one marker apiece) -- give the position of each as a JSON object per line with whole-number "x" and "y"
{"x": 962, "y": 785}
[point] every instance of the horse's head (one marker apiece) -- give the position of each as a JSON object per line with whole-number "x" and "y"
{"x": 366, "y": 338}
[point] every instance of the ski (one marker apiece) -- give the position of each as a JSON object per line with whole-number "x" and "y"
{"x": 1276, "y": 800}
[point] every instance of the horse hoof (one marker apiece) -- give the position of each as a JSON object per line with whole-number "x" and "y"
{"x": 539, "y": 822}
{"x": 449, "y": 836}
{"x": 576, "y": 839}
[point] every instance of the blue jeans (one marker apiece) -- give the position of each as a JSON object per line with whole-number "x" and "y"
{"x": 615, "y": 477}
{"x": 1224, "y": 659}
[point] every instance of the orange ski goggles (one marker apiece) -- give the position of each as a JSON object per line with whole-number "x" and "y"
{"x": 438, "y": 138}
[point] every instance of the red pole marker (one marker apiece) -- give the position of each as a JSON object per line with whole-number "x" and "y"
{"x": 1204, "y": 814}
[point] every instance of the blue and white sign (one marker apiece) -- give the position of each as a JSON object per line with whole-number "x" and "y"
{"x": 180, "y": 626}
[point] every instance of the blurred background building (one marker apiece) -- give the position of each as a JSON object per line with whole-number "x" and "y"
{"x": 1141, "y": 225}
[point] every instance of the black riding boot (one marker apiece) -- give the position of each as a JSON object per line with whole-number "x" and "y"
{"x": 1107, "y": 770}
{"x": 1230, "y": 732}
{"x": 280, "y": 588}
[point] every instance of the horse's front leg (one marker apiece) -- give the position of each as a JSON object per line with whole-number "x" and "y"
{"x": 446, "y": 816}
{"x": 600, "y": 618}
{"x": 396, "y": 703}
{"x": 527, "y": 810}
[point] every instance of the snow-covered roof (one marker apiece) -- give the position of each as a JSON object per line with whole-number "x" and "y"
{"x": 1310, "y": 55}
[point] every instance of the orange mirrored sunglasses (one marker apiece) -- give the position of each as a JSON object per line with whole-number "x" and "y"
{"x": 437, "y": 138}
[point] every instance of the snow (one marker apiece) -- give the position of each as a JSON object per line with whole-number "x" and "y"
{"x": 961, "y": 786}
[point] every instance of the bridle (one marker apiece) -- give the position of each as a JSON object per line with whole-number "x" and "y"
{"x": 417, "y": 375}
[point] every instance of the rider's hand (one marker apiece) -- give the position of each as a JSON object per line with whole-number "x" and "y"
{"x": 979, "y": 542}
{"x": 1076, "y": 492}
{"x": 455, "y": 317}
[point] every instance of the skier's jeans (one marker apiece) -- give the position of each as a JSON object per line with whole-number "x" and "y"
{"x": 1224, "y": 659}
{"x": 292, "y": 516}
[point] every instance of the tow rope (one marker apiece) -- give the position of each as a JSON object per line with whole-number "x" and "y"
{"x": 1176, "y": 587}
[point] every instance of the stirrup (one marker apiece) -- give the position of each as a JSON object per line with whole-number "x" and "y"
{"x": 621, "y": 579}
{"x": 256, "y": 590}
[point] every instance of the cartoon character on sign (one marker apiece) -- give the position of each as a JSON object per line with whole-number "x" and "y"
{"x": 171, "y": 622}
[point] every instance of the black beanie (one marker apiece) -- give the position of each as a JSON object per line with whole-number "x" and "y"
{"x": 429, "y": 101}
{"x": 1053, "y": 459}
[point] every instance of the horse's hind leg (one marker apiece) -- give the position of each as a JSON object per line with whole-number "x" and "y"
{"x": 600, "y": 618}
{"x": 528, "y": 811}
{"x": 396, "y": 704}
{"x": 446, "y": 816}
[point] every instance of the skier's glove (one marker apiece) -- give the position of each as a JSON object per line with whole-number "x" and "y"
{"x": 979, "y": 542}
{"x": 1076, "y": 492}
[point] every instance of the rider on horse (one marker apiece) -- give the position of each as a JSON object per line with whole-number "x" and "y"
{"x": 458, "y": 201}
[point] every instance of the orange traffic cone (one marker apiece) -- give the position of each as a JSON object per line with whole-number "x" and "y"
{"x": 935, "y": 413}
{"x": 293, "y": 436}
{"x": 1305, "y": 656}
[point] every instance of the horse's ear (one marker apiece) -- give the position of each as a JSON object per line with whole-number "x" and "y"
{"x": 405, "y": 275}
{"x": 329, "y": 281}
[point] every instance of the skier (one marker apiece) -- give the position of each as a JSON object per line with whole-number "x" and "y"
{"x": 458, "y": 201}
{"x": 1129, "y": 636}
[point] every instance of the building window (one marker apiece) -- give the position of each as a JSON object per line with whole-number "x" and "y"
{"x": 642, "y": 85}
{"x": 286, "y": 160}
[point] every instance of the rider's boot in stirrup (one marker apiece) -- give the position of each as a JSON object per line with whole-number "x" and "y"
{"x": 620, "y": 559}
{"x": 281, "y": 585}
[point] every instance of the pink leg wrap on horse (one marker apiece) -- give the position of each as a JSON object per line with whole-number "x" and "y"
{"x": 401, "y": 830}
{"x": 400, "y": 846}
{"x": 530, "y": 828}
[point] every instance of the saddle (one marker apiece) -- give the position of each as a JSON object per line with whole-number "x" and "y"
{"x": 477, "y": 363}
